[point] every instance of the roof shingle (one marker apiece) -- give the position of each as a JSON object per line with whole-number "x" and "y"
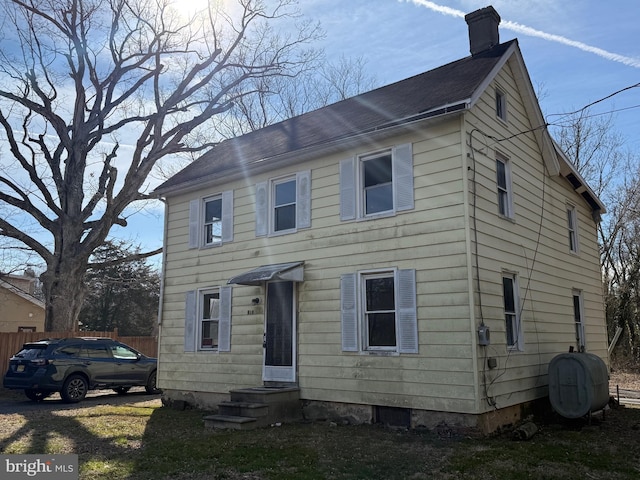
{"x": 449, "y": 84}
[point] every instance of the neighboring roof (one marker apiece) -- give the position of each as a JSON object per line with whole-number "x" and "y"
{"x": 280, "y": 271}
{"x": 444, "y": 89}
{"x": 21, "y": 293}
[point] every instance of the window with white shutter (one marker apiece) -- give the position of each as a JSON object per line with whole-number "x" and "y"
{"x": 283, "y": 205}
{"x": 377, "y": 184}
{"x": 211, "y": 220}
{"x": 208, "y": 320}
{"x": 379, "y": 311}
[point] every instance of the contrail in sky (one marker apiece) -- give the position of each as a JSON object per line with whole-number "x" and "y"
{"x": 516, "y": 27}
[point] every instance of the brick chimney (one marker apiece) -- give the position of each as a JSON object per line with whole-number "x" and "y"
{"x": 483, "y": 29}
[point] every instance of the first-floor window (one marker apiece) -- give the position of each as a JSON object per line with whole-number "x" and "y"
{"x": 512, "y": 311}
{"x": 379, "y": 311}
{"x": 210, "y": 316}
{"x": 578, "y": 319}
{"x": 208, "y": 319}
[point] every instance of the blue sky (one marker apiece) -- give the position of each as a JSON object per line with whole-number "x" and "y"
{"x": 576, "y": 52}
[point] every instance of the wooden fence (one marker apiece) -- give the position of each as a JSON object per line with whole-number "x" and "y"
{"x": 11, "y": 342}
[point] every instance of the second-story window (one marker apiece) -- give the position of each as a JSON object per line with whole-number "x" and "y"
{"x": 503, "y": 181}
{"x": 283, "y": 205}
{"x": 377, "y": 184}
{"x": 572, "y": 226}
{"x": 377, "y": 179}
{"x": 211, "y": 220}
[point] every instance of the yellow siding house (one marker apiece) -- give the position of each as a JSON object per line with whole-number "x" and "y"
{"x": 421, "y": 250}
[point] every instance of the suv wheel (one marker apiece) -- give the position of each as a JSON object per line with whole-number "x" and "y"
{"x": 151, "y": 384}
{"x": 74, "y": 389}
{"x": 36, "y": 395}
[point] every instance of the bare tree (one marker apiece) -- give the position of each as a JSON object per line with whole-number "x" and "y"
{"x": 94, "y": 93}
{"x": 275, "y": 99}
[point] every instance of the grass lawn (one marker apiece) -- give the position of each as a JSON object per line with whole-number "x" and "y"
{"x": 143, "y": 440}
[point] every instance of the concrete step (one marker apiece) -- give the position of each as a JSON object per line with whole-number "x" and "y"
{"x": 230, "y": 422}
{"x": 243, "y": 409}
{"x": 268, "y": 395}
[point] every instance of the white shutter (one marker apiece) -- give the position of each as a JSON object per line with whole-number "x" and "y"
{"x": 261, "y": 209}
{"x": 349, "y": 312}
{"x": 190, "y": 310}
{"x": 303, "y": 199}
{"x": 407, "y": 312}
{"x": 227, "y": 216}
{"x": 348, "y": 189}
{"x": 224, "y": 324}
{"x": 194, "y": 223}
{"x": 403, "y": 177}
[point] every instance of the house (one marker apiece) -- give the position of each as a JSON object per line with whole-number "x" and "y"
{"x": 20, "y": 310}
{"x": 420, "y": 251}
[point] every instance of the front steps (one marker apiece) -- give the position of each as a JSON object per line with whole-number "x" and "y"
{"x": 256, "y": 407}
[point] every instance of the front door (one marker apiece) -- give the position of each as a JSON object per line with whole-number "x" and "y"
{"x": 280, "y": 333}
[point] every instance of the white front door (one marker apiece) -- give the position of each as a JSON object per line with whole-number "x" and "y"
{"x": 280, "y": 333}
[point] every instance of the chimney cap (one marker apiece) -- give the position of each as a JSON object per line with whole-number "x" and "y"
{"x": 483, "y": 29}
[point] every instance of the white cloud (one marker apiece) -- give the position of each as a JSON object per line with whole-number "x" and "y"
{"x": 529, "y": 31}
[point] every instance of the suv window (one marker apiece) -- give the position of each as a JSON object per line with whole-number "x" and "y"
{"x": 68, "y": 351}
{"x": 120, "y": 351}
{"x": 32, "y": 351}
{"x": 95, "y": 351}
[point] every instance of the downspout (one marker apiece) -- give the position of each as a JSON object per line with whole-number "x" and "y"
{"x": 470, "y": 263}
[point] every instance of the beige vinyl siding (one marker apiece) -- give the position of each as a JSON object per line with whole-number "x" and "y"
{"x": 534, "y": 245}
{"x": 435, "y": 239}
{"x": 430, "y": 239}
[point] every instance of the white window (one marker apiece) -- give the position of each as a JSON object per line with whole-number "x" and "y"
{"x": 208, "y": 320}
{"x": 512, "y": 318}
{"x": 283, "y": 205}
{"x": 377, "y": 184}
{"x": 503, "y": 181}
{"x": 211, "y": 220}
{"x": 572, "y": 227}
{"x": 379, "y": 311}
{"x": 578, "y": 316}
{"x": 501, "y": 105}
{"x": 283, "y": 214}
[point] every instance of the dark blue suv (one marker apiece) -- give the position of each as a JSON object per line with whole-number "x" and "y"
{"x": 73, "y": 366}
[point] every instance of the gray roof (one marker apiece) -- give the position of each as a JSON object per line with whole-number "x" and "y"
{"x": 424, "y": 94}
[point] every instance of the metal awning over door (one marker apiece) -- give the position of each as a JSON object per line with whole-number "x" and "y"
{"x": 293, "y": 272}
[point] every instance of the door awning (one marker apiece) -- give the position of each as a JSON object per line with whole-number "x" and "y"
{"x": 293, "y": 272}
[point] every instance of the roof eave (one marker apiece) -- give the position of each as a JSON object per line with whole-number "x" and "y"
{"x": 376, "y": 133}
